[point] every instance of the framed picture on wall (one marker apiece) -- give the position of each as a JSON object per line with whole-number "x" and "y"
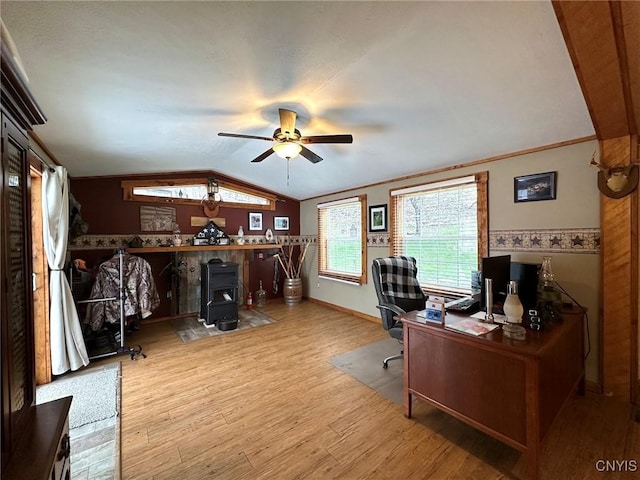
{"x": 378, "y": 218}
{"x": 532, "y": 188}
{"x": 281, "y": 223}
{"x": 255, "y": 220}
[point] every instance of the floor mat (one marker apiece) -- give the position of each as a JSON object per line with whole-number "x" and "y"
{"x": 365, "y": 365}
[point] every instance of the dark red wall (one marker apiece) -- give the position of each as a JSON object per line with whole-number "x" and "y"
{"x": 103, "y": 208}
{"x": 107, "y": 213}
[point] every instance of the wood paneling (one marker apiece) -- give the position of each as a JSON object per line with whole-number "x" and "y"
{"x": 619, "y": 282}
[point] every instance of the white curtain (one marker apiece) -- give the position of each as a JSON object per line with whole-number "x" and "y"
{"x": 68, "y": 350}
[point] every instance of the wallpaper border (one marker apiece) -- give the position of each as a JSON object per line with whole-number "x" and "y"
{"x": 559, "y": 240}
{"x": 108, "y": 242}
{"x": 571, "y": 240}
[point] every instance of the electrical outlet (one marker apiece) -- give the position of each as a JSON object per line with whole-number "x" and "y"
{"x": 318, "y": 284}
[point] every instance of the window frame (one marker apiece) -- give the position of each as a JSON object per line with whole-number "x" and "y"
{"x": 129, "y": 185}
{"x": 480, "y": 179}
{"x": 347, "y": 277}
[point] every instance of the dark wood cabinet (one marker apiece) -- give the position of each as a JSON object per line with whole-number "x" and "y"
{"x": 43, "y": 451}
{"x": 31, "y": 436}
{"x": 18, "y": 368}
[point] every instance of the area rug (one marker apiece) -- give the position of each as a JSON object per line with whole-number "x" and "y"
{"x": 94, "y": 391}
{"x": 190, "y": 328}
{"x": 365, "y": 365}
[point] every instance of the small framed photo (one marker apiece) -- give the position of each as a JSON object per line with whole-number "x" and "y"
{"x": 378, "y": 218}
{"x": 255, "y": 220}
{"x": 281, "y": 223}
{"x": 532, "y": 188}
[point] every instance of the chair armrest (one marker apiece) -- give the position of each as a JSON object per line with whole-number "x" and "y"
{"x": 390, "y": 306}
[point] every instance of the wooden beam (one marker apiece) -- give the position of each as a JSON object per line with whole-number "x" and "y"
{"x": 619, "y": 254}
{"x": 597, "y": 35}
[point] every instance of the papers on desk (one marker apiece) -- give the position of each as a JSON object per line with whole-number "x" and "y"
{"x": 472, "y": 327}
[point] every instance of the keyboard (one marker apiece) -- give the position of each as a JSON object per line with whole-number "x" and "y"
{"x": 463, "y": 305}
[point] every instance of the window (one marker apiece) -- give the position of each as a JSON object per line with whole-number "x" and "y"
{"x": 191, "y": 191}
{"x": 444, "y": 226}
{"x": 342, "y": 239}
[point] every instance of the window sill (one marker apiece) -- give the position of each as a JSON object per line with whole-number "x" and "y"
{"x": 340, "y": 280}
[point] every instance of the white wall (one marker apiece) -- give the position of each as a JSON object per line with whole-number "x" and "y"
{"x": 576, "y": 206}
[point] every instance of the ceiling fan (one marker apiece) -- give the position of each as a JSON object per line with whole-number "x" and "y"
{"x": 289, "y": 141}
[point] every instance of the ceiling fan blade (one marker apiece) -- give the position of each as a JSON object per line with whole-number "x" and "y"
{"x": 240, "y": 135}
{"x": 262, "y": 156}
{"x": 342, "y": 138}
{"x": 287, "y": 122}
{"x": 309, "y": 155}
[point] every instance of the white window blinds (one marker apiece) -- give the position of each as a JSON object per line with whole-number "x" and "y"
{"x": 437, "y": 223}
{"x": 341, "y": 239}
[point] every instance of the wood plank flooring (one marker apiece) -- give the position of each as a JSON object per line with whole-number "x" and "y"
{"x": 266, "y": 404}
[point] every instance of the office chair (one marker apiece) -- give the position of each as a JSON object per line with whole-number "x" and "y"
{"x": 398, "y": 290}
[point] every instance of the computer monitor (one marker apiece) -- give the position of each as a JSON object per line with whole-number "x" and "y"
{"x": 526, "y": 275}
{"x": 498, "y": 269}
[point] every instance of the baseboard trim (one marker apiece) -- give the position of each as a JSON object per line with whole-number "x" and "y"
{"x": 355, "y": 313}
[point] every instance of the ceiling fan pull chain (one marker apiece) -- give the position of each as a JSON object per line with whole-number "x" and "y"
{"x": 287, "y": 172}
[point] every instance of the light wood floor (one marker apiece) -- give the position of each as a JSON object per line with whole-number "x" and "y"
{"x": 265, "y": 404}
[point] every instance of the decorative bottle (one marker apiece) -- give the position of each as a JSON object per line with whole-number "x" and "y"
{"x": 240, "y": 239}
{"x": 177, "y": 240}
{"x": 261, "y": 296}
{"x": 549, "y": 298}
{"x": 513, "y": 310}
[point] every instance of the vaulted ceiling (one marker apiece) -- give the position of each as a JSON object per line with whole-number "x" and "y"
{"x": 144, "y": 87}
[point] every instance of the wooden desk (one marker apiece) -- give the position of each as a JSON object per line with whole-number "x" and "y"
{"x": 509, "y": 389}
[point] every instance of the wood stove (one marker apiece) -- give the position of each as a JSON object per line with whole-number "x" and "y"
{"x": 219, "y": 294}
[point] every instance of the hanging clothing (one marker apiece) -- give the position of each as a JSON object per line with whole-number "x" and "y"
{"x": 140, "y": 294}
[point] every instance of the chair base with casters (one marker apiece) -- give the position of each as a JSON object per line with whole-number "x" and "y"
{"x": 395, "y": 332}
{"x": 398, "y": 291}
{"x": 385, "y": 362}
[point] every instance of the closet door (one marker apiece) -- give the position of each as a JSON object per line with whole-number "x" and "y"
{"x": 18, "y": 371}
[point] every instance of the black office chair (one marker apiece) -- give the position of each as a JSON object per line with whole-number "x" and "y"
{"x": 398, "y": 290}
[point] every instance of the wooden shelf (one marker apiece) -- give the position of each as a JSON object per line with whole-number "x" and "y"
{"x": 201, "y": 248}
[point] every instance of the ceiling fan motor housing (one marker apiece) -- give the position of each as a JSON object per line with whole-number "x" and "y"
{"x": 285, "y": 136}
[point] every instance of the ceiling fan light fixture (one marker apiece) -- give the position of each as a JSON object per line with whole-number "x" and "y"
{"x": 287, "y": 150}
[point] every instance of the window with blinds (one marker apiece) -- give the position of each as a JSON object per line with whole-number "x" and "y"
{"x": 443, "y": 225}
{"x": 342, "y": 239}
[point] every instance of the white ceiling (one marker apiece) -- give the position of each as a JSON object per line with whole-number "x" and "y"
{"x": 142, "y": 87}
